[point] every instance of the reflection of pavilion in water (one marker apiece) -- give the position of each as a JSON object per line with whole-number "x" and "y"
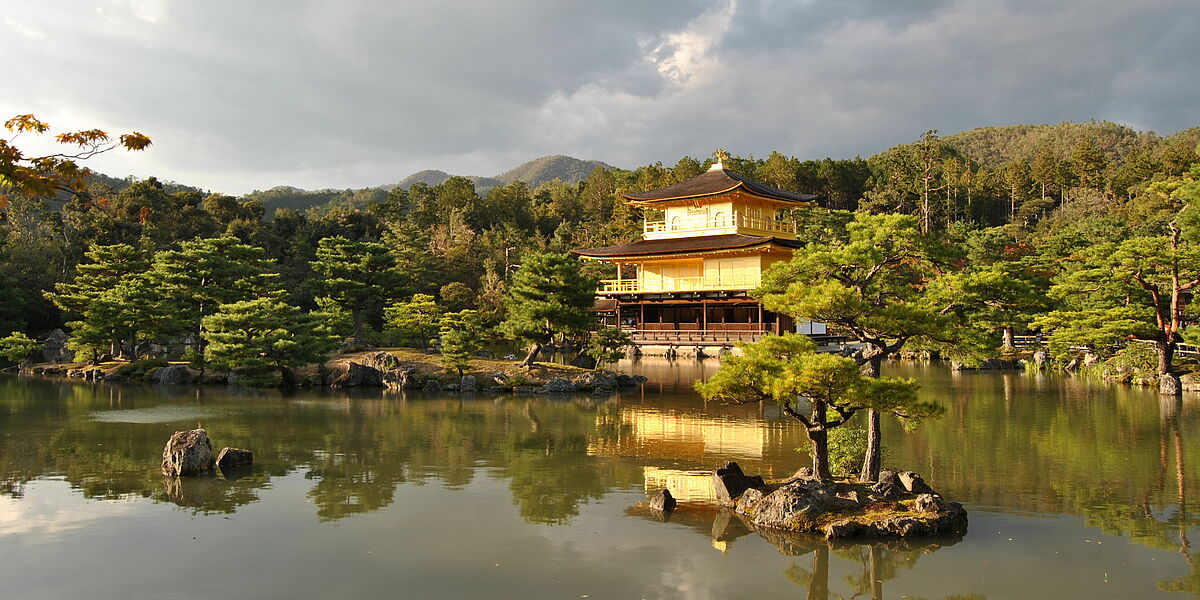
{"x": 681, "y": 443}
{"x": 691, "y": 439}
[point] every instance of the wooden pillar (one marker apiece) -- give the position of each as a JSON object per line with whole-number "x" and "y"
{"x": 760, "y": 316}
{"x": 703, "y": 319}
{"x": 642, "y": 318}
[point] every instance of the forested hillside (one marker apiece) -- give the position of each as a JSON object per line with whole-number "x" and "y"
{"x": 1025, "y": 191}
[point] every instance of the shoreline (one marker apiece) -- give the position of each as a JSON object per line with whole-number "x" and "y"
{"x": 388, "y": 368}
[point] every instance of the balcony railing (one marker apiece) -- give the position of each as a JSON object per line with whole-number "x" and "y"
{"x": 679, "y": 284}
{"x": 703, "y": 223}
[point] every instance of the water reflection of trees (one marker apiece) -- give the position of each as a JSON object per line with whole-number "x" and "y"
{"x": 356, "y": 449}
{"x": 872, "y": 563}
{"x": 1111, "y": 454}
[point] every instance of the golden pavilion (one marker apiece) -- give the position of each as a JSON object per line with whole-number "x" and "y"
{"x": 686, "y": 283}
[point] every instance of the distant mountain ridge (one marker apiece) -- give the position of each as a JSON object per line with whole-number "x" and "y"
{"x": 533, "y": 173}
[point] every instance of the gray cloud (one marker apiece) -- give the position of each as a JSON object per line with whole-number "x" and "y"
{"x": 243, "y": 95}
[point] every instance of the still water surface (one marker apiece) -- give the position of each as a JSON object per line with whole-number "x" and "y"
{"x": 1075, "y": 490}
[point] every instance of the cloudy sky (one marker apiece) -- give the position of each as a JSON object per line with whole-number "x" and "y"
{"x": 240, "y": 95}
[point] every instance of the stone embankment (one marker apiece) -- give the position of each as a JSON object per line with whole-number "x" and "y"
{"x": 392, "y": 370}
{"x": 900, "y": 504}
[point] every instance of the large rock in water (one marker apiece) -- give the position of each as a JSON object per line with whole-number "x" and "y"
{"x": 187, "y": 453}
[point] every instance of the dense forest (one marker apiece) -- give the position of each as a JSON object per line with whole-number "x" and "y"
{"x": 1038, "y": 200}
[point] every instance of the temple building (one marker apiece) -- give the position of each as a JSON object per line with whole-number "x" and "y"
{"x": 686, "y": 283}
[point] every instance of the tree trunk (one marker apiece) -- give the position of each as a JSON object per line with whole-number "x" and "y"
{"x": 874, "y": 571}
{"x": 1168, "y": 381}
{"x": 870, "y": 468}
{"x": 872, "y": 457}
{"x": 1166, "y": 354}
{"x": 534, "y": 350}
{"x": 818, "y": 587}
{"x": 820, "y": 451}
{"x": 1008, "y": 339}
{"x": 359, "y": 338}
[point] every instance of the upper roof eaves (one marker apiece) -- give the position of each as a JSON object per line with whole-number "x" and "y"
{"x": 714, "y": 182}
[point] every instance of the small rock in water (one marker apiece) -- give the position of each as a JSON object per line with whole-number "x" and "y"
{"x": 630, "y": 380}
{"x": 663, "y": 501}
{"x": 232, "y": 458}
{"x": 187, "y": 453}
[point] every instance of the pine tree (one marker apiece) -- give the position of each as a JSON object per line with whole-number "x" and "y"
{"x": 117, "y": 305}
{"x": 121, "y": 318}
{"x": 1131, "y": 289}
{"x": 549, "y": 296}
{"x": 1088, "y": 164}
{"x": 206, "y": 273}
{"x": 414, "y": 323}
{"x": 18, "y": 347}
{"x": 871, "y": 287}
{"x": 461, "y": 335}
{"x": 357, "y": 275}
{"x": 787, "y": 368}
{"x": 260, "y": 338}
{"x": 609, "y": 344}
{"x": 107, "y": 266}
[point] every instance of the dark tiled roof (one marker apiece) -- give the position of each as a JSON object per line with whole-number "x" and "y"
{"x": 715, "y": 182}
{"x": 688, "y": 244}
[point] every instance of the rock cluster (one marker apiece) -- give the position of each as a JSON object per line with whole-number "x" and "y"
{"x": 190, "y": 453}
{"x": 900, "y": 504}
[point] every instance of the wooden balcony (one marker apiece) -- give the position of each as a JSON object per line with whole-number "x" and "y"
{"x": 678, "y": 284}
{"x": 702, "y": 224}
{"x": 691, "y": 333}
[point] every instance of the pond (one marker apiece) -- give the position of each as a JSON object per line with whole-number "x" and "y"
{"x": 1075, "y": 489}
